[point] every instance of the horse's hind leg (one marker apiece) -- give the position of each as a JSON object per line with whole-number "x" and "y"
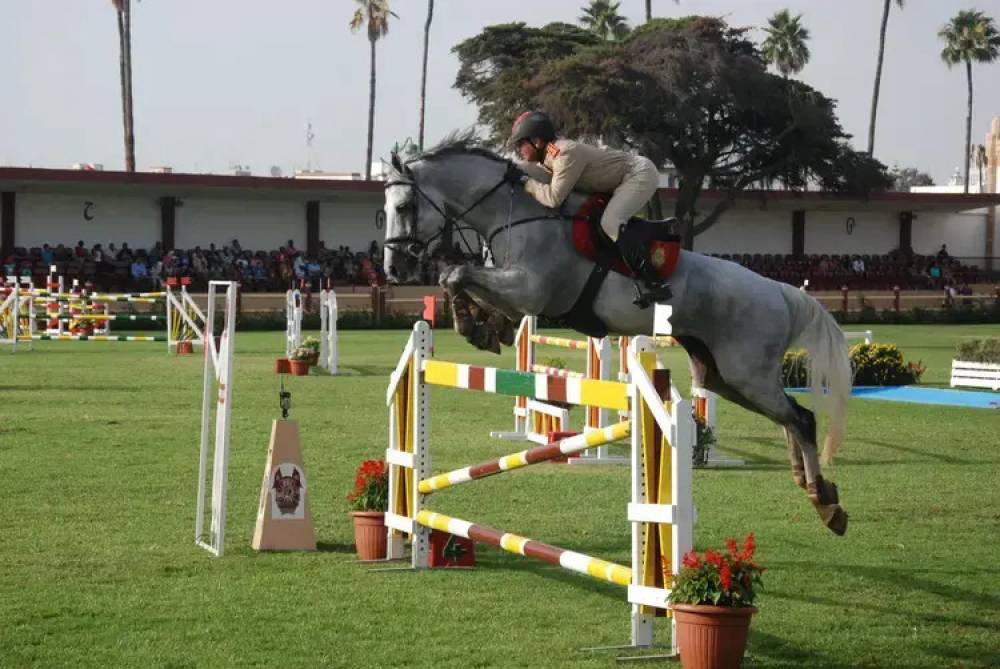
{"x": 763, "y": 393}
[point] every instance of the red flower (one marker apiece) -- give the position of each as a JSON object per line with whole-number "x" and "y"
{"x": 692, "y": 560}
{"x": 749, "y": 546}
{"x": 731, "y": 545}
{"x": 726, "y": 576}
{"x": 713, "y": 558}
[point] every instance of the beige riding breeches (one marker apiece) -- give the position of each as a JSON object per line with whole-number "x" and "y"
{"x": 632, "y": 195}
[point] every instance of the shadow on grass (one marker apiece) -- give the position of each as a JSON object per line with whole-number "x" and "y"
{"x": 364, "y": 370}
{"x": 930, "y": 454}
{"x": 335, "y": 547}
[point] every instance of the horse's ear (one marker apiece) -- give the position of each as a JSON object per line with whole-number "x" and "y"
{"x": 397, "y": 164}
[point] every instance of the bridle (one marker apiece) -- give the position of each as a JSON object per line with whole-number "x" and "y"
{"x": 415, "y": 247}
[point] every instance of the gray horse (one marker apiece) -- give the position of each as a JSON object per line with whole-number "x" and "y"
{"x": 734, "y": 324}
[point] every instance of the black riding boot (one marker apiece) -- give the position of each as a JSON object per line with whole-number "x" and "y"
{"x": 635, "y": 252}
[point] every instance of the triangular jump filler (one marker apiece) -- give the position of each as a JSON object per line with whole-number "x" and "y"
{"x": 283, "y": 519}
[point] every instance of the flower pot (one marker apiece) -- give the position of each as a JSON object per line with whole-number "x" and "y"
{"x": 369, "y": 534}
{"x": 712, "y": 637}
{"x": 313, "y": 359}
{"x": 283, "y": 366}
{"x": 185, "y": 348}
{"x": 299, "y": 367}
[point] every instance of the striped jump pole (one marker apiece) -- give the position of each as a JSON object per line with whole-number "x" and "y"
{"x": 115, "y": 317}
{"x": 90, "y": 338}
{"x": 531, "y": 456}
{"x": 512, "y": 543}
{"x": 530, "y": 423}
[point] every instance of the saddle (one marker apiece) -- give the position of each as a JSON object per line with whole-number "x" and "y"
{"x": 592, "y": 243}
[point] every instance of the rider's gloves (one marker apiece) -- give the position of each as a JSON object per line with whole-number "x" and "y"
{"x": 514, "y": 175}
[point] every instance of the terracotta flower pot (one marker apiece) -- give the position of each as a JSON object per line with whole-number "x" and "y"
{"x": 370, "y": 534}
{"x": 712, "y": 637}
{"x": 299, "y": 367}
{"x": 283, "y": 366}
{"x": 313, "y": 358}
{"x": 185, "y": 348}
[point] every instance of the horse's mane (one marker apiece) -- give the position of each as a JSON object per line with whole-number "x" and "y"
{"x": 460, "y": 142}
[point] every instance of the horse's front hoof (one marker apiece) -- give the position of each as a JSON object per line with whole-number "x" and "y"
{"x": 833, "y": 517}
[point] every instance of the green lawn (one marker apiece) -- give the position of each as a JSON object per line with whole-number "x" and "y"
{"x": 98, "y": 454}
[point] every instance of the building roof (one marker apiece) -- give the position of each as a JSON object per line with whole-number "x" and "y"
{"x": 38, "y": 180}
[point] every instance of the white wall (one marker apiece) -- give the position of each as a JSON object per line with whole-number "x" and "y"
{"x": 965, "y": 234}
{"x": 874, "y": 232}
{"x": 350, "y": 221}
{"x": 259, "y": 225}
{"x": 740, "y": 231}
{"x": 59, "y": 219}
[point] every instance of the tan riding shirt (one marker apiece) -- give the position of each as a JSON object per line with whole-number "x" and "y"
{"x": 582, "y": 167}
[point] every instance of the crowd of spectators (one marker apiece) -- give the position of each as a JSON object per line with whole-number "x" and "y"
{"x": 122, "y": 268}
{"x": 125, "y": 269}
{"x": 868, "y": 272}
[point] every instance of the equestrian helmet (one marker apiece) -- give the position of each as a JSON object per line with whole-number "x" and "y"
{"x": 531, "y": 124}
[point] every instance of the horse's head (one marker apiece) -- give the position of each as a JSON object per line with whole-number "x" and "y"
{"x": 433, "y": 200}
{"x": 411, "y": 222}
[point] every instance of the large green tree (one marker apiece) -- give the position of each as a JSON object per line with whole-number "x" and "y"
{"x": 887, "y": 5}
{"x": 969, "y": 37}
{"x": 785, "y": 45}
{"x": 375, "y": 15}
{"x": 692, "y": 92}
{"x": 601, "y": 17}
{"x": 123, "y": 12}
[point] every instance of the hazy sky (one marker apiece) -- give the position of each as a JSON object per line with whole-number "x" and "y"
{"x": 224, "y": 82}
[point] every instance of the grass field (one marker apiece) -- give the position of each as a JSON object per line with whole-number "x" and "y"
{"x": 98, "y": 454}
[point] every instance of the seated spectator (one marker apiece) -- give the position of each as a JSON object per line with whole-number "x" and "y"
{"x": 139, "y": 272}
{"x": 858, "y": 265}
{"x": 942, "y": 255}
{"x": 290, "y": 249}
{"x": 48, "y": 257}
{"x": 80, "y": 251}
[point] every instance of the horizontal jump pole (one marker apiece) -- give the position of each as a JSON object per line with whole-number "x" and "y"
{"x": 568, "y": 446}
{"x": 105, "y": 317}
{"x": 88, "y": 338}
{"x": 559, "y": 341}
{"x": 89, "y": 296}
{"x": 578, "y": 562}
{"x": 558, "y": 371}
{"x": 586, "y": 392}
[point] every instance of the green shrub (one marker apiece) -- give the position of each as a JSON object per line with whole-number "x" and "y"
{"x": 873, "y": 365}
{"x": 979, "y": 350}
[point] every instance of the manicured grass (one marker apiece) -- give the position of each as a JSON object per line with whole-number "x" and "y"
{"x": 98, "y": 450}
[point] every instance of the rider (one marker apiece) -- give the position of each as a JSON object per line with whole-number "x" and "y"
{"x": 556, "y": 166}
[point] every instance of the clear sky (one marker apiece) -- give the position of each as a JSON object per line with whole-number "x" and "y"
{"x": 224, "y": 82}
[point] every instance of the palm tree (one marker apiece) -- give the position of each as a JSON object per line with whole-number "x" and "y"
{"x": 649, "y": 9}
{"x": 423, "y": 77}
{"x": 982, "y": 162}
{"x": 602, "y": 19}
{"x": 969, "y": 36}
{"x": 878, "y": 71}
{"x": 785, "y": 45}
{"x": 123, "y": 10}
{"x": 374, "y": 13}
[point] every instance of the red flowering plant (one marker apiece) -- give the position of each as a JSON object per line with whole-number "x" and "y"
{"x": 371, "y": 487}
{"x": 717, "y": 578}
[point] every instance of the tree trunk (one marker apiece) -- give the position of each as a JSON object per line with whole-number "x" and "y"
{"x": 649, "y": 10}
{"x": 130, "y": 118}
{"x": 878, "y": 77}
{"x": 123, "y": 77}
{"x": 968, "y": 126}
{"x": 423, "y": 77}
{"x": 371, "y": 114}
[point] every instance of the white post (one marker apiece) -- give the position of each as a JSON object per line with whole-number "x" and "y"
{"x": 328, "y": 358}
{"x": 293, "y": 321}
{"x": 217, "y": 389}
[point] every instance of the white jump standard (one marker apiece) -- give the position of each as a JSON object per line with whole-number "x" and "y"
{"x": 217, "y": 398}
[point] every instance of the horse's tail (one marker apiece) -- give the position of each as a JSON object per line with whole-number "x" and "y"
{"x": 830, "y": 374}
